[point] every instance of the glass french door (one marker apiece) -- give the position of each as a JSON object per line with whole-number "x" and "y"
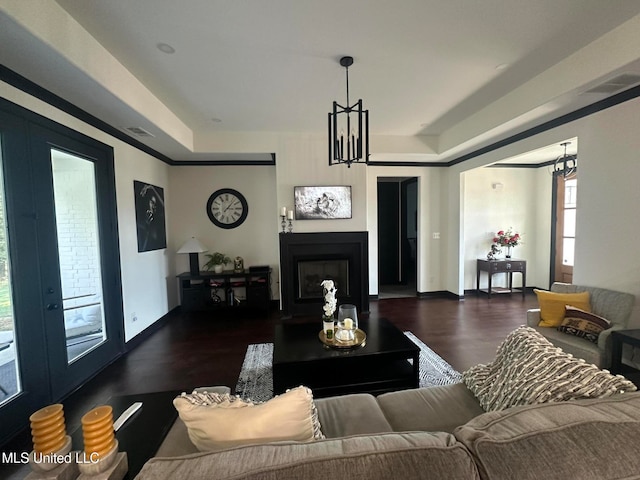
{"x": 10, "y": 384}
{"x": 60, "y": 291}
{"x": 71, "y": 238}
{"x": 565, "y": 228}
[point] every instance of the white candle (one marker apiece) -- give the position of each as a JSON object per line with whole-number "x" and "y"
{"x": 290, "y": 214}
{"x": 348, "y": 323}
{"x": 283, "y": 212}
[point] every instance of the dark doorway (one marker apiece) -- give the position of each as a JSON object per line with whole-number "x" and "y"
{"x": 397, "y": 236}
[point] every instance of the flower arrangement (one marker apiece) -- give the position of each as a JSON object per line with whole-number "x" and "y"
{"x": 329, "y": 294}
{"x": 507, "y": 238}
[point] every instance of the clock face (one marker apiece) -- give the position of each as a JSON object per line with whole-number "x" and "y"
{"x": 227, "y": 208}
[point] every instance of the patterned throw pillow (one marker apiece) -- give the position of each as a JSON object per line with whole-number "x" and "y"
{"x": 552, "y": 305}
{"x": 583, "y": 324}
{"x": 217, "y": 421}
{"x": 529, "y": 369}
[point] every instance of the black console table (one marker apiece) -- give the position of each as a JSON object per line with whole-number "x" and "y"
{"x": 508, "y": 266}
{"x": 210, "y": 290}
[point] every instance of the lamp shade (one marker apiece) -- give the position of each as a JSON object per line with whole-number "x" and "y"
{"x": 192, "y": 245}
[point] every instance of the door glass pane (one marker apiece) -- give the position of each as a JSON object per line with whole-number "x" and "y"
{"x": 79, "y": 252}
{"x": 9, "y": 375}
{"x": 570, "y": 222}
{"x": 570, "y": 193}
{"x": 568, "y": 246}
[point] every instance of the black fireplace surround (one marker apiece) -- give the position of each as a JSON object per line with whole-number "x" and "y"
{"x": 324, "y": 249}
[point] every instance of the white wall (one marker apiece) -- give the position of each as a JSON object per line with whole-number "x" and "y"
{"x": 256, "y": 240}
{"x": 522, "y": 203}
{"x": 302, "y": 160}
{"x": 147, "y": 277}
{"x": 607, "y": 226}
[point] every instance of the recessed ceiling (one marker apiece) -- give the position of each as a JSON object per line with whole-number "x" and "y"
{"x": 543, "y": 156}
{"x": 422, "y": 67}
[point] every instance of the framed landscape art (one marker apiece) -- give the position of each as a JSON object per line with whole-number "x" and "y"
{"x": 322, "y": 203}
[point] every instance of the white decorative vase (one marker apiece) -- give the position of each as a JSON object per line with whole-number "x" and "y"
{"x": 218, "y": 268}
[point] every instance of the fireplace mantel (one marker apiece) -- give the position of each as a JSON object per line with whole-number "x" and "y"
{"x": 300, "y": 247}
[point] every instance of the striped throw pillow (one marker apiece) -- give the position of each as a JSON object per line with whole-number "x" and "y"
{"x": 583, "y": 324}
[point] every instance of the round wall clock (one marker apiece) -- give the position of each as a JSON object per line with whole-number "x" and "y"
{"x": 227, "y": 208}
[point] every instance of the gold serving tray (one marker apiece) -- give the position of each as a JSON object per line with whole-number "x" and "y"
{"x": 359, "y": 340}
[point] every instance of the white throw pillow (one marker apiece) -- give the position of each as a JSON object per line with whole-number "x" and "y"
{"x": 218, "y": 421}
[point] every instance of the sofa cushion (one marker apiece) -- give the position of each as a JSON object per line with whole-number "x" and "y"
{"x": 552, "y": 305}
{"x": 354, "y": 414}
{"x": 412, "y": 456}
{"x": 585, "y": 440}
{"x": 529, "y": 369}
{"x": 613, "y": 305}
{"x": 583, "y": 324}
{"x": 430, "y": 409}
{"x": 217, "y": 421}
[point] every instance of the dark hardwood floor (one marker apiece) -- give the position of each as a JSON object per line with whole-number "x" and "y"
{"x": 201, "y": 349}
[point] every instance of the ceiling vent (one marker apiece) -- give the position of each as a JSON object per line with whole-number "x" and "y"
{"x": 138, "y": 131}
{"x": 615, "y": 84}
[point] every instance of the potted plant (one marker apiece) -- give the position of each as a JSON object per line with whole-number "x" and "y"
{"x": 217, "y": 260}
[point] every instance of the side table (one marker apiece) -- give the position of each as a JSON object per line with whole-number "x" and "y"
{"x": 508, "y": 266}
{"x": 618, "y": 338}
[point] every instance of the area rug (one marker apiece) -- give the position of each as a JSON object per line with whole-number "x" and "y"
{"x": 256, "y": 380}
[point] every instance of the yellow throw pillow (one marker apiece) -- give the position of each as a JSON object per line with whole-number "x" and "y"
{"x": 552, "y": 305}
{"x": 215, "y": 422}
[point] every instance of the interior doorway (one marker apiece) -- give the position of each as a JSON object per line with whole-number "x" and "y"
{"x": 397, "y": 236}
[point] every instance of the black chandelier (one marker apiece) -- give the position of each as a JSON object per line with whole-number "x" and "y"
{"x": 565, "y": 165}
{"x": 351, "y": 122}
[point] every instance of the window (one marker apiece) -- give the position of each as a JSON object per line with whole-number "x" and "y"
{"x": 569, "y": 230}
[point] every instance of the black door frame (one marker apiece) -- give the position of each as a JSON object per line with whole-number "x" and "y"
{"x": 26, "y": 138}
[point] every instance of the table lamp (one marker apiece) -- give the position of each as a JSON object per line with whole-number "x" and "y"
{"x": 193, "y": 247}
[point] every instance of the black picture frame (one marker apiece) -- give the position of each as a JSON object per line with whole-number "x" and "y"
{"x": 150, "y": 216}
{"x": 329, "y": 202}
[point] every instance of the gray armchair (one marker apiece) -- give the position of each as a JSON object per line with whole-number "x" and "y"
{"x": 610, "y": 304}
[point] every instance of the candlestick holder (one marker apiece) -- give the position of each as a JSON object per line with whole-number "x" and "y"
{"x": 283, "y": 223}
{"x": 290, "y": 227}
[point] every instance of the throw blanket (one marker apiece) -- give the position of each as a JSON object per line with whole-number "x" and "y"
{"x": 529, "y": 369}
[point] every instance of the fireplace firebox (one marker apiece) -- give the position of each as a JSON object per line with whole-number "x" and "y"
{"x": 306, "y": 259}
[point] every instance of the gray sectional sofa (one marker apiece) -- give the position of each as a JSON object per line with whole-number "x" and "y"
{"x": 430, "y": 433}
{"x": 613, "y": 305}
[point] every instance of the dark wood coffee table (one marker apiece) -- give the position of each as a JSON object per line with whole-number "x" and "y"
{"x": 381, "y": 365}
